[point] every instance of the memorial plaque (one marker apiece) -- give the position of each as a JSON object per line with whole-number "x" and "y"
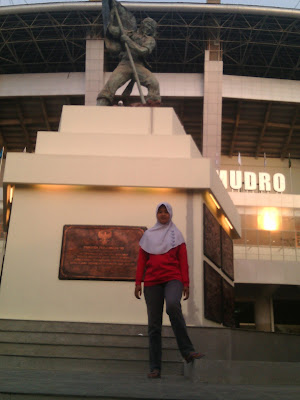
{"x": 100, "y": 252}
{"x": 212, "y": 294}
{"x": 228, "y": 304}
{"x": 212, "y": 237}
{"x": 227, "y": 254}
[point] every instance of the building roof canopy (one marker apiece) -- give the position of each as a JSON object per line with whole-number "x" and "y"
{"x": 255, "y": 41}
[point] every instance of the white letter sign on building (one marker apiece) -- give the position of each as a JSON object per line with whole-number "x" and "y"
{"x": 252, "y": 181}
{"x": 264, "y": 182}
{"x": 235, "y": 179}
{"x": 279, "y": 183}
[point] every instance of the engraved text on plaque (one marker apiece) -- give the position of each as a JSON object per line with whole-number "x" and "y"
{"x": 99, "y": 252}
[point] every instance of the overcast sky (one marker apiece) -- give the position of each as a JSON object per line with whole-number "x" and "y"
{"x": 295, "y": 4}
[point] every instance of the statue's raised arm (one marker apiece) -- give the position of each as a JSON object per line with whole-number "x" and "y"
{"x": 111, "y": 26}
{"x": 132, "y": 45}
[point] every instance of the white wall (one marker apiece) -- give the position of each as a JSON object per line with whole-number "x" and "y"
{"x": 267, "y": 272}
{"x": 30, "y": 286}
{"x": 52, "y": 84}
{"x": 247, "y": 87}
{"x": 173, "y": 85}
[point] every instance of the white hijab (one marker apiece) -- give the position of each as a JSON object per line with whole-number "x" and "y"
{"x": 162, "y": 237}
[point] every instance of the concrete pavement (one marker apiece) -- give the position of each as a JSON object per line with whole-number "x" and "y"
{"x": 32, "y": 384}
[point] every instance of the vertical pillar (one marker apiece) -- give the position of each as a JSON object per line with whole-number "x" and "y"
{"x": 94, "y": 70}
{"x": 263, "y": 319}
{"x": 264, "y": 308}
{"x": 212, "y": 103}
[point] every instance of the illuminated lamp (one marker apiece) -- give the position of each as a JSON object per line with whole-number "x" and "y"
{"x": 11, "y": 194}
{"x": 228, "y": 223}
{"x": 7, "y": 215}
{"x": 268, "y": 219}
{"x": 215, "y": 201}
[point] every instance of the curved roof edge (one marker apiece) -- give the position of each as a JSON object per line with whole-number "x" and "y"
{"x": 187, "y": 7}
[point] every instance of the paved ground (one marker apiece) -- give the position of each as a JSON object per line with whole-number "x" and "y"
{"x": 79, "y": 385}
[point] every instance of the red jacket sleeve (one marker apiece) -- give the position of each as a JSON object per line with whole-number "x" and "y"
{"x": 141, "y": 264}
{"x": 183, "y": 262}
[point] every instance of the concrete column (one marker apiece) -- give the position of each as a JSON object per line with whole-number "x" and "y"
{"x": 264, "y": 320}
{"x": 263, "y": 308}
{"x": 212, "y": 104}
{"x": 94, "y": 70}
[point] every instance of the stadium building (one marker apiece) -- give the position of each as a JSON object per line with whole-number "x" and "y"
{"x": 232, "y": 75}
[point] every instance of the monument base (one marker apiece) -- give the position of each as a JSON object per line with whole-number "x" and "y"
{"x": 105, "y": 167}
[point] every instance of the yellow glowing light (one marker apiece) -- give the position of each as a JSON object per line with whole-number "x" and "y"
{"x": 11, "y": 193}
{"x": 228, "y": 223}
{"x": 147, "y": 189}
{"x": 215, "y": 201}
{"x": 7, "y": 215}
{"x": 268, "y": 219}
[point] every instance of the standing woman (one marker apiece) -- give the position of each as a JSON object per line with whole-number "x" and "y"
{"x": 162, "y": 265}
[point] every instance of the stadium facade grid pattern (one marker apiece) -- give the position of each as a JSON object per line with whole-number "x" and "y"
{"x": 255, "y": 41}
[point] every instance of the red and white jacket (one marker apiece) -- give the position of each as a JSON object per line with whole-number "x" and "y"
{"x": 155, "y": 269}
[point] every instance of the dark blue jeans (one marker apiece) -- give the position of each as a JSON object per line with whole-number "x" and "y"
{"x": 155, "y": 296}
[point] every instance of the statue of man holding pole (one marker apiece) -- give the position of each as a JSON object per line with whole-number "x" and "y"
{"x": 133, "y": 46}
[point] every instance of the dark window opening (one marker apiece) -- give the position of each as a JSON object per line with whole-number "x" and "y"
{"x": 244, "y": 315}
{"x": 286, "y": 312}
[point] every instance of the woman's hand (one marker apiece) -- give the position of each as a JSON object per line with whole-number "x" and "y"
{"x": 186, "y": 292}
{"x": 138, "y": 291}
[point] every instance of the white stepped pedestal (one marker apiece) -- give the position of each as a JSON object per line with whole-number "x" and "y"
{"x": 105, "y": 166}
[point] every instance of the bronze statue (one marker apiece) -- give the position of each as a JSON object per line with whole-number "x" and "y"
{"x": 133, "y": 46}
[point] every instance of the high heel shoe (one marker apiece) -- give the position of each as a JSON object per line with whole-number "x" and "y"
{"x": 155, "y": 374}
{"x": 193, "y": 356}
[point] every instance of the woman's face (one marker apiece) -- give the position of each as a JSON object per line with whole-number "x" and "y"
{"x": 163, "y": 216}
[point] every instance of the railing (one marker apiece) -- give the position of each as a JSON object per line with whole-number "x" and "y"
{"x": 274, "y": 253}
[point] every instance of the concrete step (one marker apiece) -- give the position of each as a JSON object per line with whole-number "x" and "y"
{"x": 81, "y": 339}
{"x": 243, "y": 372}
{"x": 80, "y": 385}
{"x": 87, "y": 352}
{"x": 84, "y": 364}
{"x": 77, "y": 327}
{"x": 65, "y": 346}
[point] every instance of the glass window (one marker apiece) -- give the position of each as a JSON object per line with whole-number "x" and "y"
{"x": 243, "y": 220}
{"x": 251, "y": 237}
{"x": 276, "y": 239}
{"x": 250, "y": 222}
{"x": 264, "y": 238}
{"x": 241, "y": 240}
{"x": 289, "y": 239}
{"x": 287, "y": 212}
{"x": 297, "y": 223}
{"x": 251, "y": 210}
{"x": 288, "y": 224}
{"x": 286, "y": 234}
{"x": 269, "y": 219}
